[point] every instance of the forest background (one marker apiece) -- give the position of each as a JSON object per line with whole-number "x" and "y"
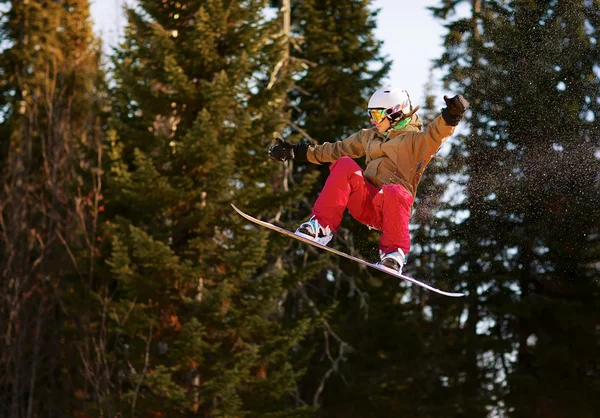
{"x": 129, "y": 287}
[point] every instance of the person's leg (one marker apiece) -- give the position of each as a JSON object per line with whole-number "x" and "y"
{"x": 394, "y": 203}
{"x": 345, "y": 187}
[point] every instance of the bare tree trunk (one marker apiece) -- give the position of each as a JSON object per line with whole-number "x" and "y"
{"x": 40, "y": 243}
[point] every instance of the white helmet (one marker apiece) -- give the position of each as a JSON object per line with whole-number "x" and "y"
{"x": 396, "y": 102}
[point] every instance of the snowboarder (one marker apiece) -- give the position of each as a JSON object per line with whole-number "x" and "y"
{"x": 397, "y": 151}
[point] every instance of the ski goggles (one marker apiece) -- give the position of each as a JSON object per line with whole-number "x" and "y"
{"x": 377, "y": 116}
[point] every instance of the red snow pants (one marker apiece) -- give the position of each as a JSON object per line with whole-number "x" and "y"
{"x": 386, "y": 209}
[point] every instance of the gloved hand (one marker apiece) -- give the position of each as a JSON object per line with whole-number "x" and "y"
{"x": 284, "y": 151}
{"x": 455, "y": 109}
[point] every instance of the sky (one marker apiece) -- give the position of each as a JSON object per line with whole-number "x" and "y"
{"x": 411, "y": 38}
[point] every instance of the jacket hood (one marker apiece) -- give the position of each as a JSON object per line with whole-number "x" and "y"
{"x": 415, "y": 125}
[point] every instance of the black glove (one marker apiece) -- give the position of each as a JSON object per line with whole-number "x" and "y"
{"x": 284, "y": 151}
{"x": 455, "y": 109}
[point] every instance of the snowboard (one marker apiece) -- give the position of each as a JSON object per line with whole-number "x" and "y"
{"x": 348, "y": 256}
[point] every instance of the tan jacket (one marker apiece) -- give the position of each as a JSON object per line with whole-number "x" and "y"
{"x": 400, "y": 159}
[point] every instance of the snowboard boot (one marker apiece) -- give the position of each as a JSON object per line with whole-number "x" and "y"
{"x": 393, "y": 260}
{"x": 312, "y": 230}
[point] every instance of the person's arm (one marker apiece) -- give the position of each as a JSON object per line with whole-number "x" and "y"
{"x": 427, "y": 143}
{"x": 353, "y": 147}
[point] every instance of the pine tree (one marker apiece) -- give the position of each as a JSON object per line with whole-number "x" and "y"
{"x": 527, "y": 247}
{"x": 51, "y": 96}
{"x": 195, "y": 303}
{"x": 354, "y": 369}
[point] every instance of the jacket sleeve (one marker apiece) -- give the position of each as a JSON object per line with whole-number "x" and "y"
{"x": 353, "y": 147}
{"x": 426, "y": 144}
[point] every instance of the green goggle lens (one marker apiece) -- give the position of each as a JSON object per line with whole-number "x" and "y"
{"x": 377, "y": 115}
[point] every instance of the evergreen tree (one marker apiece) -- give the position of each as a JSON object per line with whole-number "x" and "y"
{"x": 528, "y": 250}
{"x": 356, "y": 368}
{"x": 51, "y": 99}
{"x": 195, "y": 303}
